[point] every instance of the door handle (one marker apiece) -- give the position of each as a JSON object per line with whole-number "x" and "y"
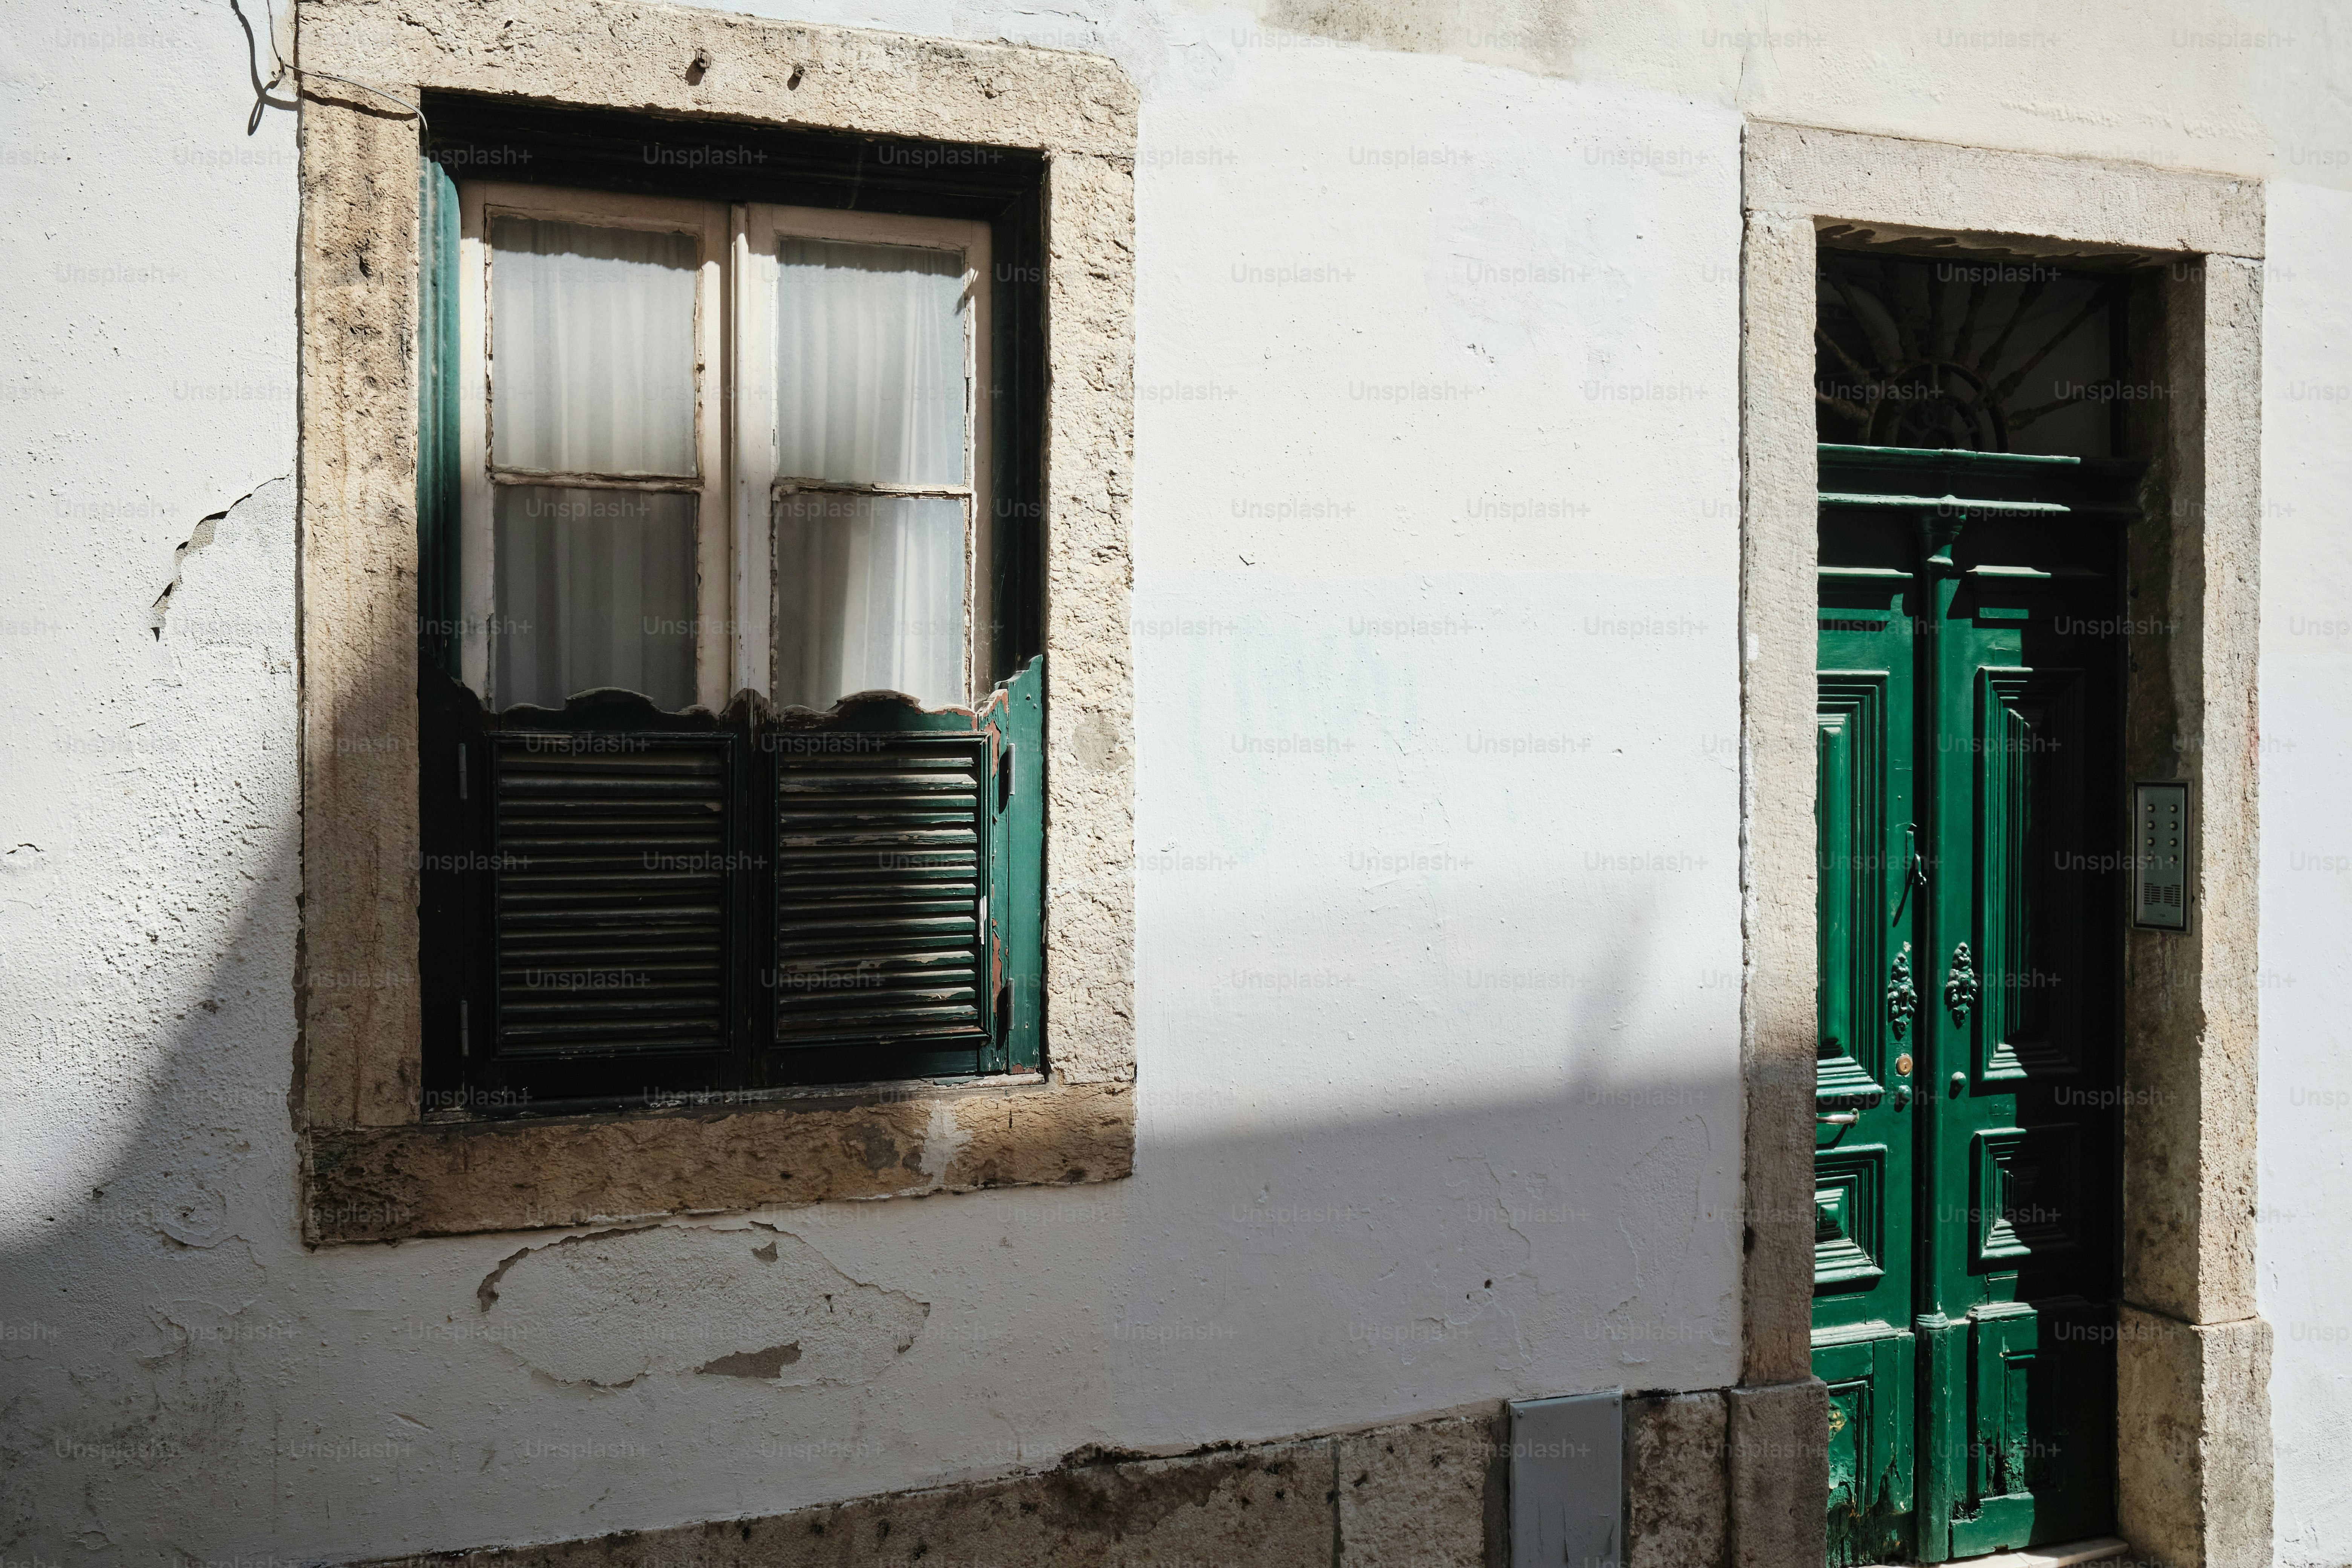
{"x": 1837, "y": 1118}
{"x": 1915, "y": 875}
{"x": 1960, "y": 988}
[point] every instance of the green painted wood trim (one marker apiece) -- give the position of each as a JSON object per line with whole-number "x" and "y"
{"x": 1902, "y": 476}
{"x": 438, "y": 599}
{"x": 1016, "y": 898}
{"x": 1942, "y": 1424}
{"x": 1911, "y": 458}
{"x": 463, "y": 854}
{"x": 1870, "y": 1373}
{"x": 1831, "y": 498}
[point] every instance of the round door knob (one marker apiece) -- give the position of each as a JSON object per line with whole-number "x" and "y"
{"x": 1960, "y": 1082}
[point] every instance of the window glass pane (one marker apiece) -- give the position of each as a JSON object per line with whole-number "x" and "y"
{"x": 869, "y": 363}
{"x": 869, "y": 597}
{"x": 594, "y": 588}
{"x": 592, "y": 348}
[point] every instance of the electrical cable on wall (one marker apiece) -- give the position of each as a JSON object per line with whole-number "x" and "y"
{"x": 285, "y": 71}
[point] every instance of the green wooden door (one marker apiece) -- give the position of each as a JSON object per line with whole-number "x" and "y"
{"x": 1971, "y": 919}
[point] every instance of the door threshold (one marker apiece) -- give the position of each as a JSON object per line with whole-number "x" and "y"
{"x": 2103, "y": 1549}
{"x": 2067, "y": 1556}
{"x": 2099, "y": 1550}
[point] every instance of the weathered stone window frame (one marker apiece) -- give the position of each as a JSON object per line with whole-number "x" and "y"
{"x": 372, "y": 1168}
{"x": 2193, "y": 1353}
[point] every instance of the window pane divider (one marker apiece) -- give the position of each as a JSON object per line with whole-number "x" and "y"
{"x": 855, "y": 488}
{"x": 686, "y": 484}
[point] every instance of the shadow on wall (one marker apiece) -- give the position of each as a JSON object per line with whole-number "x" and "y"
{"x": 1299, "y": 1249}
{"x": 153, "y": 1161}
{"x": 1376, "y": 1243}
{"x": 239, "y": 1396}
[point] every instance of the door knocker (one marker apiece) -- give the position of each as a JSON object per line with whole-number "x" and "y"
{"x": 1960, "y": 985}
{"x": 1902, "y": 996}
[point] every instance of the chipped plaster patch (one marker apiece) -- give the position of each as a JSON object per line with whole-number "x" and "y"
{"x": 202, "y": 536}
{"x": 608, "y": 1308}
{"x": 767, "y": 1365}
{"x": 252, "y": 519}
{"x": 195, "y": 1216}
{"x": 942, "y": 1141}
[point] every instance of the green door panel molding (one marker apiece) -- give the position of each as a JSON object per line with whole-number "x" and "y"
{"x": 1969, "y": 808}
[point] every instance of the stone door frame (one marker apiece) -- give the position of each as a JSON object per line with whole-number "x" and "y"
{"x": 2193, "y": 1353}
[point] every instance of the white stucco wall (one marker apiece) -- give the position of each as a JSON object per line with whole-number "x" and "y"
{"x": 2306, "y": 913}
{"x": 1436, "y": 511}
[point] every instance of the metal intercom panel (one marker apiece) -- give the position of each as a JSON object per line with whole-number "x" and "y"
{"x": 2159, "y": 892}
{"x": 1567, "y": 1484}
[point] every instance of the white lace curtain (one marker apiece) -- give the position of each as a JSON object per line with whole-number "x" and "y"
{"x": 869, "y": 390}
{"x": 591, "y": 372}
{"x": 592, "y": 348}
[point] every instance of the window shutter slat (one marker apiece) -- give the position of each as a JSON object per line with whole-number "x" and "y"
{"x": 881, "y": 852}
{"x": 612, "y": 894}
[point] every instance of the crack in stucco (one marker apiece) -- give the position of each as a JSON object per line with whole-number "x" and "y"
{"x": 202, "y": 535}
{"x": 195, "y": 540}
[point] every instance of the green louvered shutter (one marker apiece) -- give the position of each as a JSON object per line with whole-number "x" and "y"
{"x": 907, "y": 870}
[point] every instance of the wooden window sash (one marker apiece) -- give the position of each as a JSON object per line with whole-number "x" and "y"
{"x": 756, "y": 228}
{"x": 481, "y": 201}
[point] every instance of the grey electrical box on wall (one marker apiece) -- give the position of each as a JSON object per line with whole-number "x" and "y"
{"x": 2159, "y": 844}
{"x": 1566, "y": 1481}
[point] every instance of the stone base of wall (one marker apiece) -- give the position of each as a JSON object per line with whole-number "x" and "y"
{"x": 1430, "y": 1493}
{"x": 2194, "y": 1465}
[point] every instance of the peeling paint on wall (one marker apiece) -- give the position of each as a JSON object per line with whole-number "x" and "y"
{"x": 613, "y": 1307}
{"x": 196, "y": 541}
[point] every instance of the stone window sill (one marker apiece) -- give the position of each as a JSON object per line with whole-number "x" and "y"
{"x": 461, "y": 1177}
